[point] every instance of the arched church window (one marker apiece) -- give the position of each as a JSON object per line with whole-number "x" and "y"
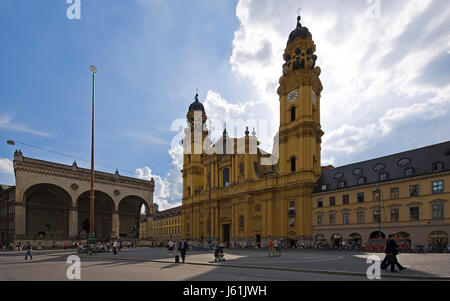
{"x": 293, "y": 164}
{"x": 292, "y": 113}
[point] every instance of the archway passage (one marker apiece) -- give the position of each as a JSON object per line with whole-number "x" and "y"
{"x": 47, "y": 211}
{"x": 336, "y": 239}
{"x": 103, "y": 210}
{"x": 377, "y": 234}
{"x": 438, "y": 240}
{"x": 355, "y": 238}
{"x": 130, "y": 209}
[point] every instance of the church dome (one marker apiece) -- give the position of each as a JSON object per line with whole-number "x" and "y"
{"x": 196, "y": 105}
{"x": 299, "y": 32}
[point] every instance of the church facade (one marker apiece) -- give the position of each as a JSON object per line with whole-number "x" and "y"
{"x": 230, "y": 194}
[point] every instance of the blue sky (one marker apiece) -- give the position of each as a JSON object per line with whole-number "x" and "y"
{"x": 386, "y": 77}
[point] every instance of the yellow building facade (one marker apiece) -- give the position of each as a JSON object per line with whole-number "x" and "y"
{"x": 167, "y": 225}
{"x": 231, "y": 194}
{"x": 405, "y": 194}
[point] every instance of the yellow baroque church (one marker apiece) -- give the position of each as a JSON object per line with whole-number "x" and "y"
{"x": 231, "y": 196}
{"x": 242, "y": 199}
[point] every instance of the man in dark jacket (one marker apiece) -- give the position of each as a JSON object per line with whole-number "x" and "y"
{"x": 182, "y": 248}
{"x": 391, "y": 255}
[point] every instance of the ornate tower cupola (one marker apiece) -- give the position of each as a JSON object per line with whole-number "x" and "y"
{"x": 196, "y": 106}
{"x": 299, "y": 91}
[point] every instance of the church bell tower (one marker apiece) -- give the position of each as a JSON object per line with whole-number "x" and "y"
{"x": 299, "y": 91}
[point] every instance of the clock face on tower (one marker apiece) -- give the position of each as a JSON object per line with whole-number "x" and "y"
{"x": 292, "y": 96}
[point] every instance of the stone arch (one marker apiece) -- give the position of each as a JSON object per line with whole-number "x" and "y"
{"x": 47, "y": 211}
{"x": 377, "y": 234}
{"x": 103, "y": 210}
{"x": 336, "y": 239}
{"x": 355, "y": 238}
{"x": 438, "y": 239}
{"x": 129, "y": 210}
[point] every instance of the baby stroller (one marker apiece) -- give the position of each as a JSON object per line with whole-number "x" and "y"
{"x": 218, "y": 254}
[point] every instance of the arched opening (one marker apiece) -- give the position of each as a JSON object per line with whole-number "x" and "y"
{"x": 47, "y": 212}
{"x": 438, "y": 240}
{"x": 292, "y": 113}
{"x": 320, "y": 239}
{"x": 336, "y": 239}
{"x": 103, "y": 210}
{"x": 377, "y": 234}
{"x": 355, "y": 238}
{"x": 130, "y": 209}
{"x": 293, "y": 164}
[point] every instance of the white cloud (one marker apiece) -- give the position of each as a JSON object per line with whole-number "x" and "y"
{"x": 6, "y": 166}
{"x": 7, "y": 123}
{"x": 167, "y": 192}
{"x": 371, "y": 71}
{"x": 370, "y": 68}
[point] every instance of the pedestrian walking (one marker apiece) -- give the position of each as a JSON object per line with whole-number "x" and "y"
{"x": 391, "y": 255}
{"x": 29, "y": 252}
{"x": 271, "y": 246}
{"x": 170, "y": 246}
{"x": 276, "y": 247}
{"x": 182, "y": 248}
{"x": 115, "y": 245}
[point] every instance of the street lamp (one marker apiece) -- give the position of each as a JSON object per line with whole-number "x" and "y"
{"x": 91, "y": 238}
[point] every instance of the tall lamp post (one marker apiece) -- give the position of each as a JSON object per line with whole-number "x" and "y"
{"x": 91, "y": 238}
{"x": 378, "y": 196}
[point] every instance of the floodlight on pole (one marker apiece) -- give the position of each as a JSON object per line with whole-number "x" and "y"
{"x": 91, "y": 238}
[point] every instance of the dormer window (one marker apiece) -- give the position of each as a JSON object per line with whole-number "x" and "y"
{"x": 403, "y": 162}
{"x": 357, "y": 171}
{"x": 378, "y": 167}
{"x": 324, "y": 187}
{"x": 409, "y": 172}
{"x": 338, "y": 175}
{"x": 361, "y": 180}
{"x": 341, "y": 184}
{"x": 384, "y": 176}
{"x": 438, "y": 166}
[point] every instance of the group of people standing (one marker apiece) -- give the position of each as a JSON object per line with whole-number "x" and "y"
{"x": 274, "y": 248}
{"x": 182, "y": 248}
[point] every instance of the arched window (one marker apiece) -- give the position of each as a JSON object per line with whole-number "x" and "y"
{"x": 292, "y": 113}
{"x": 293, "y": 164}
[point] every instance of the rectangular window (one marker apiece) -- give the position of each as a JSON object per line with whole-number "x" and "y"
{"x": 345, "y": 199}
{"x": 332, "y": 201}
{"x": 376, "y": 216}
{"x": 360, "y": 197}
{"x": 376, "y": 195}
{"x": 226, "y": 177}
{"x": 292, "y": 203}
{"x": 395, "y": 215}
{"x": 438, "y": 186}
{"x": 320, "y": 219}
{"x": 345, "y": 218}
{"x": 414, "y": 214}
{"x": 332, "y": 217}
{"x": 395, "y": 193}
{"x": 319, "y": 203}
{"x": 414, "y": 190}
{"x": 438, "y": 211}
{"x": 241, "y": 223}
{"x": 360, "y": 217}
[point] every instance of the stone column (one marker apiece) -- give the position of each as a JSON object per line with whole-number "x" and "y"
{"x": 216, "y": 224}
{"x": 115, "y": 225}
{"x": 73, "y": 223}
{"x": 20, "y": 221}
